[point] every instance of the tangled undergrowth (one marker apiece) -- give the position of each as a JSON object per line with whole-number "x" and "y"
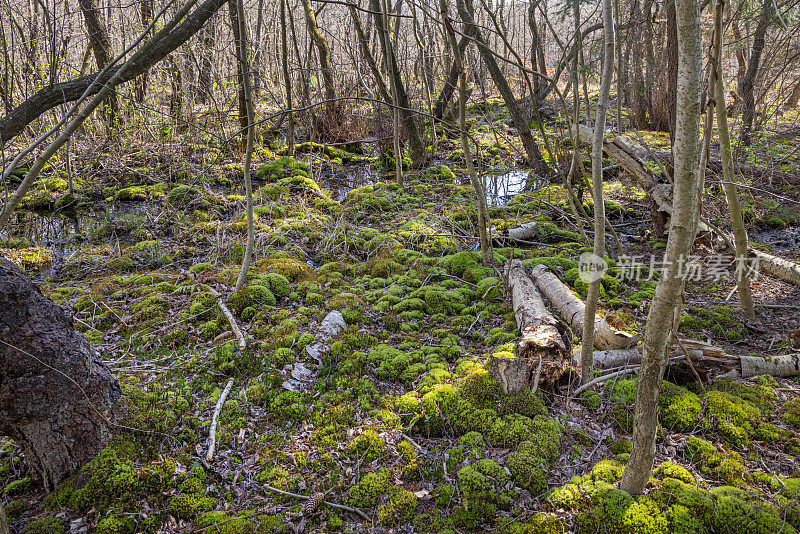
{"x": 400, "y": 418}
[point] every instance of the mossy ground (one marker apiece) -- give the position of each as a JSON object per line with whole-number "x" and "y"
{"x": 401, "y": 418}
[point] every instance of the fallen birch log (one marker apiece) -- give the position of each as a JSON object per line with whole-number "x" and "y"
{"x": 573, "y": 310}
{"x": 776, "y": 267}
{"x": 543, "y": 351}
{"x": 785, "y": 365}
{"x": 698, "y": 350}
{"x": 629, "y": 156}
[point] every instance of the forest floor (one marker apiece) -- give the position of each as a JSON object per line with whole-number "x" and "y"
{"x": 400, "y": 418}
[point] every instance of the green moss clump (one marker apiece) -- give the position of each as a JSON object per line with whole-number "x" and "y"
{"x": 482, "y": 486}
{"x": 16, "y": 487}
{"x": 489, "y": 288}
{"x": 718, "y": 320}
{"x": 791, "y": 413}
{"x": 733, "y": 514}
{"x": 367, "y": 492}
{"x": 591, "y": 400}
{"x": 732, "y": 417}
{"x": 278, "y": 284}
{"x": 680, "y": 408}
{"x": 153, "y": 307}
{"x": 457, "y": 264}
{"x": 400, "y": 508}
{"x": 251, "y": 296}
{"x": 188, "y": 505}
{"x": 368, "y": 446}
{"x": 622, "y": 394}
{"x": 131, "y": 194}
{"x": 46, "y": 525}
{"x": 529, "y": 464}
{"x": 727, "y": 467}
{"x": 115, "y": 525}
{"x": 673, "y": 470}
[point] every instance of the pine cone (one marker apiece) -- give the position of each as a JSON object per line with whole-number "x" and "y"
{"x": 313, "y": 503}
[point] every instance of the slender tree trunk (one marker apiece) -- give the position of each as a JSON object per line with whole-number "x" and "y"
{"x": 483, "y": 208}
{"x": 55, "y": 387}
{"x": 737, "y": 222}
{"x": 146, "y": 13}
{"x": 99, "y": 40}
{"x": 670, "y": 286}
{"x": 205, "y": 77}
{"x": 324, "y": 55}
{"x": 242, "y": 57}
{"x": 390, "y": 60}
{"x": 747, "y": 86}
{"x": 587, "y": 338}
{"x": 287, "y": 76}
{"x": 236, "y": 26}
{"x": 537, "y": 162}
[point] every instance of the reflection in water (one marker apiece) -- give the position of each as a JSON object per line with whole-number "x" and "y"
{"x": 64, "y": 232}
{"x": 340, "y": 184}
{"x": 501, "y": 188}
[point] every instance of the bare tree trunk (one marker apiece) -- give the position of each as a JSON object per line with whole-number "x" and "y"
{"x": 157, "y": 48}
{"x": 206, "y": 63}
{"x": 737, "y": 222}
{"x": 670, "y": 286}
{"x": 537, "y": 162}
{"x": 477, "y": 186}
{"x": 55, "y": 388}
{"x": 146, "y": 12}
{"x": 390, "y": 60}
{"x": 747, "y": 86}
{"x": 98, "y": 38}
{"x": 597, "y": 194}
{"x": 324, "y": 55}
{"x": 287, "y": 76}
{"x": 236, "y": 26}
{"x": 242, "y": 57}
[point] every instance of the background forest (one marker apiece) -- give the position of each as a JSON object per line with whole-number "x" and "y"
{"x": 410, "y": 266}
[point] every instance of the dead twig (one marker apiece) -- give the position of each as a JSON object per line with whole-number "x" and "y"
{"x": 212, "y": 433}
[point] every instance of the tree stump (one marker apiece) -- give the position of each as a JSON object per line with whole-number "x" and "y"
{"x": 55, "y": 392}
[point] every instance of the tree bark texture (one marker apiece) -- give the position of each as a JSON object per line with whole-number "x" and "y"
{"x": 573, "y": 310}
{"x": 747, "y": 86}
{"x": 55, "y": 391}
{"x": 686, "y": 149}
{"x": 544, "y": 339}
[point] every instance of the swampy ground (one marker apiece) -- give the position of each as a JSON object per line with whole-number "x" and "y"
{"x": 400, "y": 419}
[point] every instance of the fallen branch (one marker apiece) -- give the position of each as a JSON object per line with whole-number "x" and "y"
{"x": 331, "y": 504}
{"x": 212, "y": 433}
{"x": 573, "y": 310}
{"x": 231, "y": 319}
{"x": 604, "y": 378}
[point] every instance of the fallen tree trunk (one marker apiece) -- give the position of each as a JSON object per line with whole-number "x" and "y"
{"x": 610, "y": 359}
{"x": 629, "y": 156}
{"x": 785, "y": 365}
{"x": 573, "y": 309}
{"x": 54, "y": 388}
{"x": 705, "y": 357}
{"x": 776, "y": 267}
{"x": 543, "y": 351}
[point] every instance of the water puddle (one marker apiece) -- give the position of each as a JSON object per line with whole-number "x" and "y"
{"x": 779, "y": 240}
{"x": 65, "y": 232}
{"x": 501, "y": 188}
{"x": 339, "y": 184}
